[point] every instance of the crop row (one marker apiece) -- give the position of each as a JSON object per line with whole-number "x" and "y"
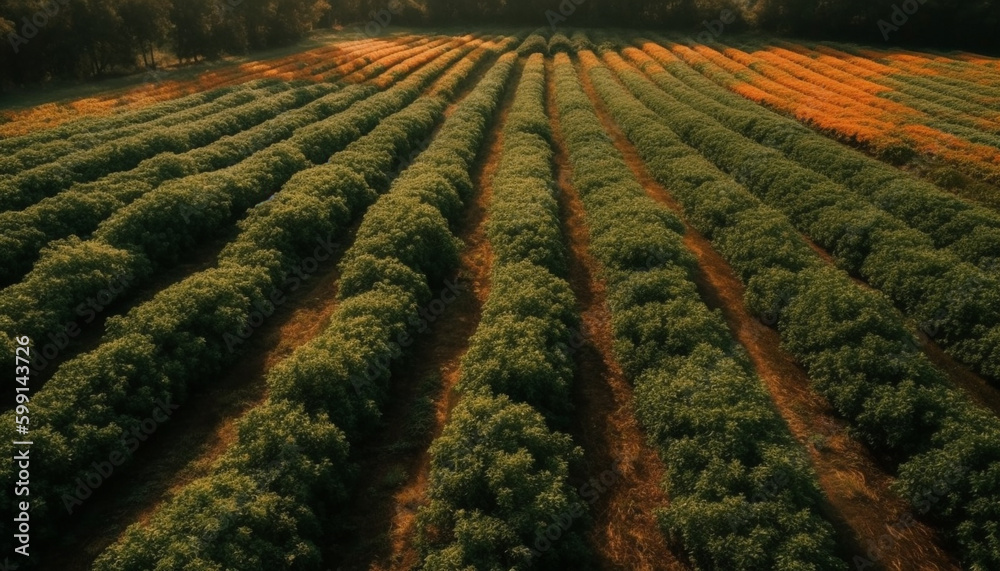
{"x": 60, "y": 272}
{"x": 172, "y": 219}
{"x": 958, "y": 120}
{"x": 964, "y": 113}
{"x": 743, "y": 495}
{"x": 189, "y": 332}
{"x": 30, "y": 186}
{"x": 80, "y": 209}
{"x": 272, "y": 494}
{"x": 25, "y": 231}
{"x": 81, "y": 128}
{"x": 855, "y": 347}
{"x": 152, "y": 91}
{"x": 498, "y": 490}
{"x": 971, "y": 232}
{"x": 911, "y": 89}
{"x": 41, "y": 153}
{"x": 957, "y": 301}
{"x": 897, "y": 137}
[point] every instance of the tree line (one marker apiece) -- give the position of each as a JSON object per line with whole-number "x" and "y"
{"x": 47, "y": 39}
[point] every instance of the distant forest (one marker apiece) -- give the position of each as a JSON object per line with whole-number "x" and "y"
{"x": 46, "y": 39}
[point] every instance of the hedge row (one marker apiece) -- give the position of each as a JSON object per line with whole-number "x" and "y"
{"x": 164, "y": 224}
{"x": 955, "y": 300}
{"x": 175, "y": 133}
{"x": 743, "y": 494}
{"x": 29, "y": 186}
{"x": 55, "y": 151}
{"x": 971, "y": 232}
{"x": 112, "y": 126}
{"x": 535, "y": 44}
{"x": 84, "y": 132}
{"x": 854, "y": 345}
{"x": 498, "y": 489}
{"x": 44, "y": 152}
{"x": 958, "y": 120}
{"x": 80, "y": 209}
{"x": 262, "y": 508}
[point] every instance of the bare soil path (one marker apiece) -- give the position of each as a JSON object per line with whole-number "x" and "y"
{"x": 624, "y": 534}
{"x": 382, "y": 526}
{"x": 860, "y": 503}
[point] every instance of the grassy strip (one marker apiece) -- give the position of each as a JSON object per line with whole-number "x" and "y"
{"x": 857, "y": 350}
{"x": 498, "y": 484}
{"x": 271, "y": 494}
{"x": 743, "y": 495}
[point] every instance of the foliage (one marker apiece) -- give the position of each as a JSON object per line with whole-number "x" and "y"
{"x": 737, "y": 477}
{"x": 858, "y": 352}
{"x": 261, "y": 513}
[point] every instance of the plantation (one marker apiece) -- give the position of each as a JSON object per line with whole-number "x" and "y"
{"x": 510, "y": 299}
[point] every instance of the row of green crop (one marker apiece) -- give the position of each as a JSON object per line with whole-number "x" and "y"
{"x": 188, "y": 333}
{"x": 31, "y": 185}
{"x": 46, "y": 152}
{"x": 960, "y": 121}
{"x": 87, "y": 131}
{"x": 971, "y": 232}
{"x": 41, "y": 154}
{"x": 743, "y": 495}
{"x": 24, "y": 232}
{"x": 856, "y": 348}
{"x": 172, "y": 134}
{"x": 955, "y": 300}
{"x": 271, "y": 496}
{"x": 80, "y": 209}
{"x": 88, "y": 127}
{"x": 498, "y": 489}
{"x": 909, "y": 89}
{"x": 162, "y": 225}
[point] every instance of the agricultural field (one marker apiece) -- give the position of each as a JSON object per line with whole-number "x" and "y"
{"x": 510, "y": 299}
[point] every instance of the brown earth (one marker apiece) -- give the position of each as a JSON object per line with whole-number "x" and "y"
{"x": 624, "y": 534}
{"x": 860, "y": 504}
{"x": 383, "y": 518}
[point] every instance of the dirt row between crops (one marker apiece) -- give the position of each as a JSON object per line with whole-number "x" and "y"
{"x": 860, "y": 502}
{"x": 624, "y": 533}
{"x": 184, "y": 449}
{"x": 382, "y": 520}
